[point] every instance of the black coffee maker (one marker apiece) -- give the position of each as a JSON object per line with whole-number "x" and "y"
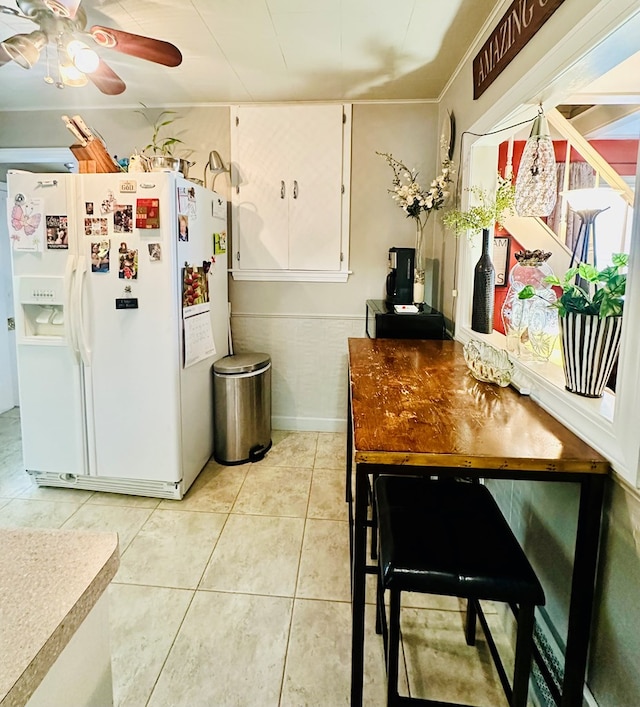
{"x": 400, "y": 276}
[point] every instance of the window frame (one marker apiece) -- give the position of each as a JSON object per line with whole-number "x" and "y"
{"x": 609, "y": 428}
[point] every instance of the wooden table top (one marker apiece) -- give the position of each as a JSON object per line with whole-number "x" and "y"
{"x": 415, "y": 402}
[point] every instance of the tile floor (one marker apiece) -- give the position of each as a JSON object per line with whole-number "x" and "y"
{"x": 238, "y": 595}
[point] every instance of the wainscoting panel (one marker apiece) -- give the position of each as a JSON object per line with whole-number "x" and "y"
{"x": 309, "y": 359}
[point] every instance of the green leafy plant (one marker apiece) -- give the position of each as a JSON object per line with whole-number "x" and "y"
{"x": 491, "y": 209}
{"x": 609, "y": 287}
{"x": 160, "y": 145}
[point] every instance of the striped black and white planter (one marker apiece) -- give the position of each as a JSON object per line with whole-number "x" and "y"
{"x": 589, "y": 349}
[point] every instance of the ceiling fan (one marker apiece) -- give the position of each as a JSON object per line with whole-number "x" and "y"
{"x": 62, "y": 26}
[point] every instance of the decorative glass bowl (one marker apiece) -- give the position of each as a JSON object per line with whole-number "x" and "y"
{"x": 488, "y": 364}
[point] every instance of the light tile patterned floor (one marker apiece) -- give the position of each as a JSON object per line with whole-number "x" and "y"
{"x": 238, "y": 595}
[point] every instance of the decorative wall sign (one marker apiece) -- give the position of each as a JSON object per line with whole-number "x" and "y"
{"x": 501, "y": 260}
{"x": 514, "y": 31}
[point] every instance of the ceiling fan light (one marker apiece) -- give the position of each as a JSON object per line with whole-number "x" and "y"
{"x": 72, "y": 76}
{"x": 83, "y": 57}
{"x": 24, "y": 49}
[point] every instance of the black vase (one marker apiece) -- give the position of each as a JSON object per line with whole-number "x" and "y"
{"x": 484, "y": 280}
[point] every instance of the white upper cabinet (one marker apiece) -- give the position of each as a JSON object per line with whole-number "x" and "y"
{"x": 290, "y": 216}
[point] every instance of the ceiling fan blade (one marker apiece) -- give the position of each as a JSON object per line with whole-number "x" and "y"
{"x": 106, "y": 80}
{"x": 147, "y": 48}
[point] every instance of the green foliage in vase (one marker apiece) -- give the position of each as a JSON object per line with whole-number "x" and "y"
{"x": 491, "y": 208}
{"x": 609, "y": 287}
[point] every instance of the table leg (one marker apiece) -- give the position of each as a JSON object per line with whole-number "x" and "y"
{"x": 358, "y": 585}
{"x": 349, "y": 459}
{"x": 348, "y": 477}
{"x": 585, "y": 564}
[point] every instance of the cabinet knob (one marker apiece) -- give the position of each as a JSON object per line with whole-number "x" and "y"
{"x": 295, "y": 188}
{"x": 282, "y": 188}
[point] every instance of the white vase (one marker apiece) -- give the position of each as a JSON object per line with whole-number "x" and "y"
{"x": 418, "y": 292}
{"x": 418, "y": 270}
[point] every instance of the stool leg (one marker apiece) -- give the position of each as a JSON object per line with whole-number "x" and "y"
{"x": 393, "y": 652}
{"x": 522, "y": 667}
{"x": 470, "y": 623}
{"x": 374, "y": 519}
{"x": 381, "y": 623}
{"x": 381, "y": 614}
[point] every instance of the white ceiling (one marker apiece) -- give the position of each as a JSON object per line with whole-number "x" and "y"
{"x": 237, "y": 51}
{"x": 615, "y": 103}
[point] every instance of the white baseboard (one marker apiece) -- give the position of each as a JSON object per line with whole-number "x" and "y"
{"x": 308, "y": 424}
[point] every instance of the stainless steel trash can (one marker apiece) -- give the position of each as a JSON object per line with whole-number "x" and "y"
{"x": 242, "y": 408}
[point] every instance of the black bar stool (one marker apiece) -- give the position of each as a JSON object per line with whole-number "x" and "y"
{"x": 449, "y": 537}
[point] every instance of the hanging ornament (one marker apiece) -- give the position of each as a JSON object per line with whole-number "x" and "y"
{"x": 536, "y": 182}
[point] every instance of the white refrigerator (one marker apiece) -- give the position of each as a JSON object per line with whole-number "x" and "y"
{"x": 120, "y": 284}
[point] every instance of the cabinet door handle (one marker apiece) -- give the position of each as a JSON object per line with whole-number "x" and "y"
{"x": 295, "y": 188}
{"x": 282, "y": 188}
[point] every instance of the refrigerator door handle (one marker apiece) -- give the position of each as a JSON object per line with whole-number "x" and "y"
{"x": 83, "y": 346}
{"x": 69, "y": 306}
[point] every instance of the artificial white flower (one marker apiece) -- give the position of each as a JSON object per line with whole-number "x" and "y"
{"x": 410, "y": 196}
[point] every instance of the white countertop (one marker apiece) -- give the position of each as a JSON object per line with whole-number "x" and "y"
{"x": 49, "y": 582}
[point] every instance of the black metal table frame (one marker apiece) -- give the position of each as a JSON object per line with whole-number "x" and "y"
{"x": 584, "y": 561}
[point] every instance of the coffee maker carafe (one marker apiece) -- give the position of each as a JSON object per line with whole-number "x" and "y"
{"x": 400, "y": 276}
